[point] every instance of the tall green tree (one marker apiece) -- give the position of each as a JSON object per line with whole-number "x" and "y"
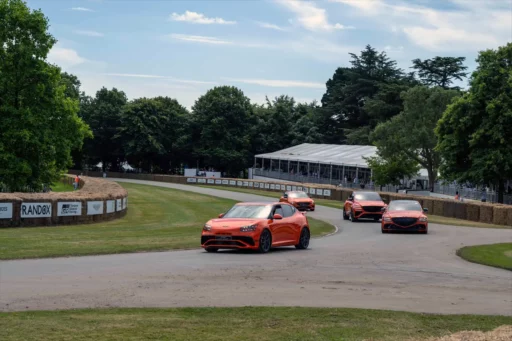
{"x": 150, "y": 132}
{"x": 39, "y": 125}
{"x": 391, "y": 169}
{"x": 475, "y": 132}
{"x": 103, "y": 114}
{"x": 222, "y": 121}
{"x": 411, "y": 133}
{"x": 440, "y": 71}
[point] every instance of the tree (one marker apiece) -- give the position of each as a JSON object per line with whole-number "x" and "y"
{"x": 390, "y": 170}
{"x": 475, "y": 132}
{"x": 72, "y": 84}
{"x": 222, "y": 122}
{"x": 150, "y": 132}
{"x": 103, "y": 114}
{"x": 441, "y": 71}
{"x": 411, "y": 133}
{"x": 39, "y": 125}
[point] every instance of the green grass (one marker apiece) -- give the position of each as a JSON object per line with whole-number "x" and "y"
{"x": 339, "y": 204}
{"x": 61, "y": 187}
{"x": 496, "y": 255}
{"x": 229, "y": 324}
{"x": 158, "y": 219}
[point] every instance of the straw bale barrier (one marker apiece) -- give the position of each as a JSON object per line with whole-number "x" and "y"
{"x": 469, "y": 210}
{"x": 96, "y": 200}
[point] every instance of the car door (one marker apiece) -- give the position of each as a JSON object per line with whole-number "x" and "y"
{"x": 292, "y": 227}
{"x": 278, "y": 226}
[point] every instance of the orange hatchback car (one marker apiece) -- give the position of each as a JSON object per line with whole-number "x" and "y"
{"x": 257, "y": 226}
{"x": 404, "y": 215}
{"x": 363, "y": 204}
{"x": 299, "y": 199}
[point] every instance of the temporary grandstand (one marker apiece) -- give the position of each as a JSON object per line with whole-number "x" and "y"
{"x": 319, "y": 163}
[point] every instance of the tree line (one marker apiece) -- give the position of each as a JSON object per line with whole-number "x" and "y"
{"x": 417, "y": 118}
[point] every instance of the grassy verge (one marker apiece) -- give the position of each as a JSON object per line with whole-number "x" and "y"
{"x": 158, "y": 219}
{"x": 338, "y": 204}
{"x": 496, "y": 255}
{"x": 263, "y": 324}
{"x": 61, "y": 187}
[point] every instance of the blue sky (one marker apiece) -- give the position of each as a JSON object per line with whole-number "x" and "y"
{"x": 181, "y": 49}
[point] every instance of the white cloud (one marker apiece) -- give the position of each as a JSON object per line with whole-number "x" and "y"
{"x": 271, "y": 26}
{"x": 471, "y": 26}
{"x": 278, "y": 83}
{"x": 200, "y": 39}
{"x": 198, "y": 18}
{"x": 64, "y": 57}
{"x": 310, "y": 16}
{"x": 89, "y": 33}
{"x": 177, "y": 80}
{"x": 82, "y": 9}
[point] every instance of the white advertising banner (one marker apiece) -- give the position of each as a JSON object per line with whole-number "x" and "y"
{"x": 125, "y": 203}
{"x": 69, "y": 209}
{"x": 201, "y": 181}
{"x": 288, "y": 188}
{"x": 267, "y": 186}
{"x": 257, "y": 184}
{"x": 119, "y": 204}
{"x": 232, "y": 182}
{"x": 239, "y": 183}
{"x": 246, "y": 184}
{"x": 192, "y": 180}
{"x": 294, "y": 188}
{"x": 251, "y": 184}
{"x": 94, "y": 207}
{"x": 225, "y": 182}
{"x": 283, "y": 187}
{"x": 319, "y": 191}
{"x": 299, "y": 188}
{"x": 5, "y": 210}
{"x": 218, "y": 182}
{"x": 111, "y": 206}
{"x": 211, "y": 181}
{"x": 306, "y": 190}
{"x": 36, "y": 210}
{"x": 272, "y": 186}
{"x": 327, "y": 192}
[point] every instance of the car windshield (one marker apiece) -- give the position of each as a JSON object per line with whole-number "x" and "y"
{"x": 404, "y": 206}
{"x": 368, "y": 196}
{"x": 249, "y": 211}
{"x": 298, "y": 195}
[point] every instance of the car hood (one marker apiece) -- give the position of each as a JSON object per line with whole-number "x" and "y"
{"x": 405, "y": 214}
{"x": 371, "y": 203}
{"x": 232, "y": 222}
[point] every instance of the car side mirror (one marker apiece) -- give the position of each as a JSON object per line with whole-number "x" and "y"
{"x": 277, "y": 216}
{"x": 285, "y": 196}
{"x": 425, "y": 209}
{"x": 221, "y": 215}
{"x": 350, "y": 199}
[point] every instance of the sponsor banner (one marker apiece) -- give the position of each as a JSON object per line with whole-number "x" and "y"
{"x": 239, "y": 183}
{"x": 95, "y": 207}
{"x": 211, "y": 181}
{"x": 294, "y": 188}
{"x": 319, "y": 191}
{"x": 225, "y": 182}
{"x": 36, "y": 210}
{"x": 272, "y": 186}
{"x": 5, "y": 210}
{"x": 201, "y": 181}
{"x": 111, "y": 206}
{"x": 69, "y": 209}
{"x": 218, "y": 182}
{"x": 192, "y": 180}
{"x": 267, "y": 186}
{"x": 288, "y": 188}
{"x": 232, "y": 182}
{"x": 299, "y": 188}
{"x": 257, "y": 185}
{"x": 246, "y": 184}
{"x": 125, "y": 203}
{"x": 251, "y": 184}
{"x": 327, "y": 192}
{"x": 283, "y": 187}
{"x": 306, "y": 190}
{"x": 119, "y": 204}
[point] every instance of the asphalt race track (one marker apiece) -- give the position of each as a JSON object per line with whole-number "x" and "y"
{"x": 356, "y": 267}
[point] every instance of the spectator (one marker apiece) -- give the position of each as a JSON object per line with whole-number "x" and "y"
{"x": 457, "y": 196}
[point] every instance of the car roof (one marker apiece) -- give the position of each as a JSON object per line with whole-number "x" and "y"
{"x": 405, "y": 201}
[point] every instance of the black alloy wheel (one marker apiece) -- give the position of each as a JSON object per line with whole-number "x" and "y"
{"x": 265, "y": 241}
{"x": 305, "y": 236}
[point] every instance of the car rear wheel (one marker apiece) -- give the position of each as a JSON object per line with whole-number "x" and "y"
{"x": 265, "y": 241}
{"x": 211, "y": 249}
{"x": 305, "y": 236}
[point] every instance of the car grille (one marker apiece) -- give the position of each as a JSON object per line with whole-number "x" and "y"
{"x": 405, "y": 221}
{"x": 235, "y": 240}
{"x": 372, "y": 208}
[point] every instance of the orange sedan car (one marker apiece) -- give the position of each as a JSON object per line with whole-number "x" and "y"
{"x": 404, "y": 215}
{"x": 299, "y": 199}
{"x": 363, "y": 204}
{"x": 257, "y": 226}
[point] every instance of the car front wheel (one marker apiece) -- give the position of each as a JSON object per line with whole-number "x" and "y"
{"x": 265, "y": 241}
{"x": 305, "y": 236}
{"x": 211, "y": 249}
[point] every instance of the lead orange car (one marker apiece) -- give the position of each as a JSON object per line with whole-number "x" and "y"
{"x": 299, "y": 199}
{"x": 257, "y": 226}
{"x": 404, "y": 215}
{"x": 363, "y": 204}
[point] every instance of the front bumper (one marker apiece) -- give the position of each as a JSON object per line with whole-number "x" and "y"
{"x": 229, "y": 241}
{"x": 360, "y": 214}
{"x": 304, "y": 206}
{"x": 418, "y": 227}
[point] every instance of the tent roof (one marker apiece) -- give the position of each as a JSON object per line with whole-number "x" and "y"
{"x": 342, "y": 155}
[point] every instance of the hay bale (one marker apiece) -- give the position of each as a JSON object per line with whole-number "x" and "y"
{"x": 509, "y": 216}
{"x": 472, "y": 211}
{"x": 438, "y": 207}
{"x": 449, "y": 208}
{"x": 428, "y": 203}
{"x": 500, "y": 215}
{"x": 486, "y": 213}
{"x": 461, "y": 210}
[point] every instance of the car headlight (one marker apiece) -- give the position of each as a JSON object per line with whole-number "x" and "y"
{"x": 312, "y": 202}
{"x": 207, "y": 227}
{"x": 356, "y": 206}
{"x": 249, "y": 228}
{"x": 387, "y": 219}
{"x": 423, "y": 219}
